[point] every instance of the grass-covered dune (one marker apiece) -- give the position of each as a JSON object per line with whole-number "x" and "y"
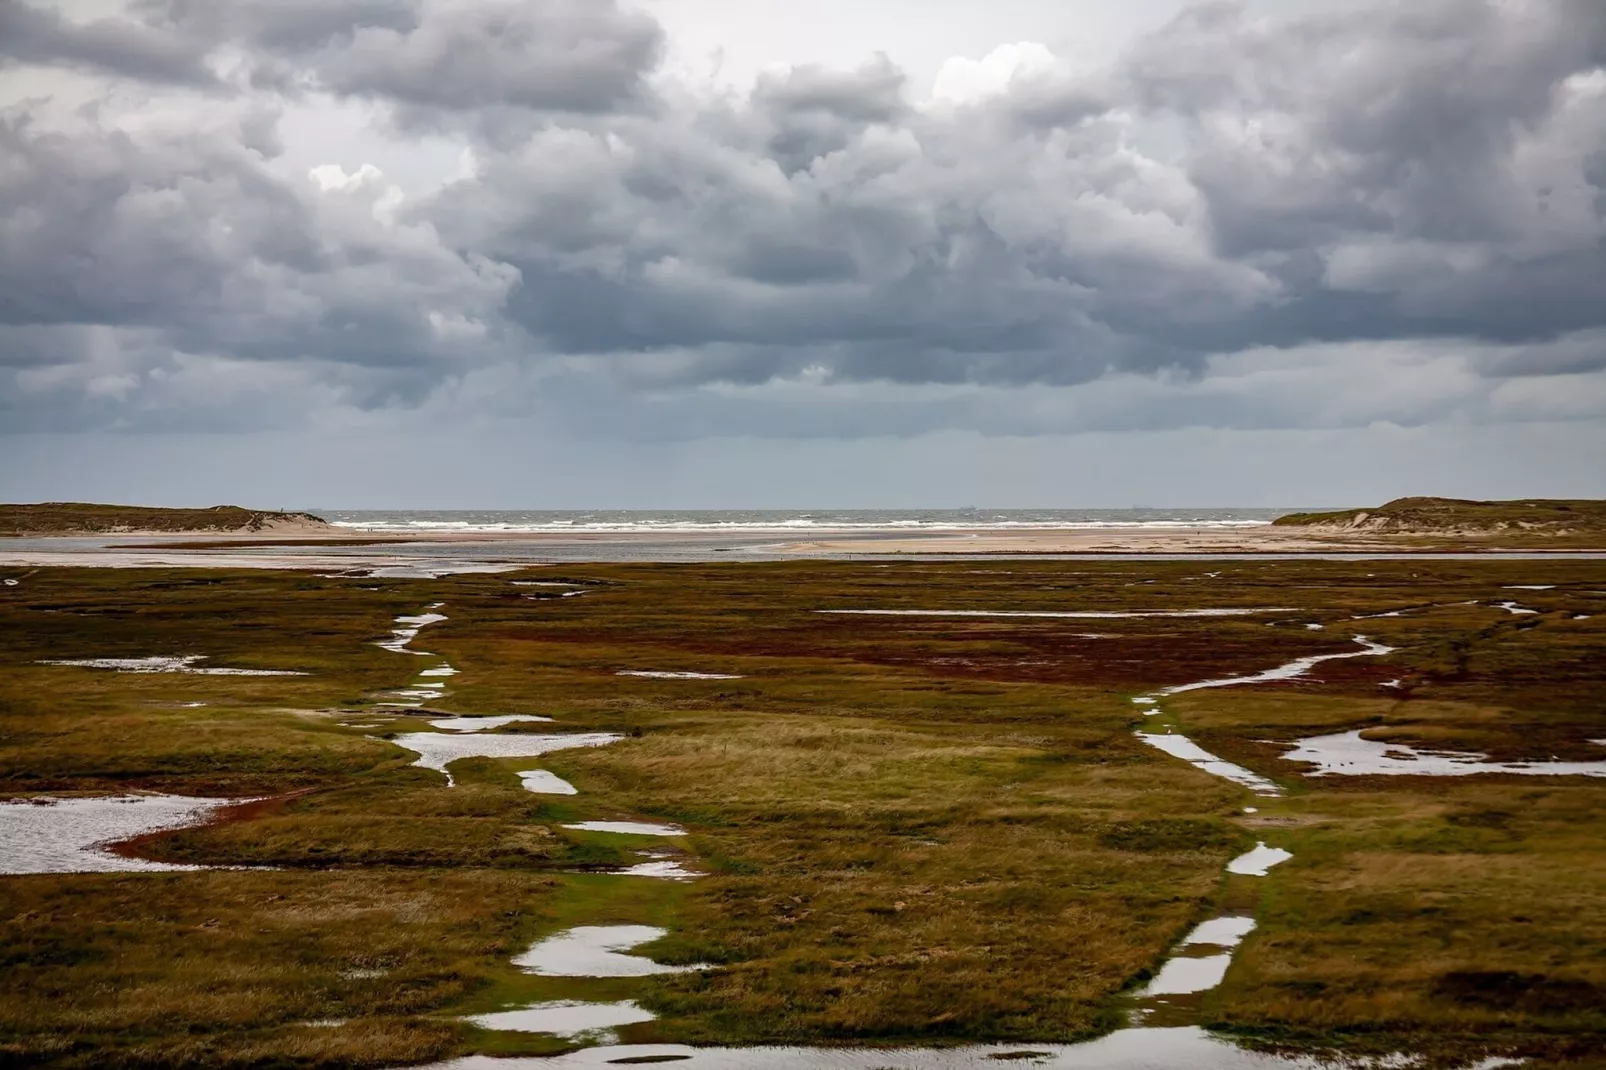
{"x": 1552, "y": 518}
{"x": 911, "y": 829}
{"x": 84, "y": 518}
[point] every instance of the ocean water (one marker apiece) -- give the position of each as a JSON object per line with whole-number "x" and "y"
{"x": 740, "y": 521}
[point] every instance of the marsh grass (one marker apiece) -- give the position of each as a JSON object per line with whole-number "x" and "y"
{"x": 925, "y": 829}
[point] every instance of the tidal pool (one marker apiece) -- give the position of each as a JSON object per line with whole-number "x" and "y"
{"x": 1178, "y": 1048}
{"x": 668, "y": 869}
{"x": 437, "y": 750}
{"x": 73, "y": 835}
{"x": 1256, "y": 862}
{"x": 1228, "y": 930}
{"x": 596, "y": 951}
{"x": 480, "y": 724}
{"x": 632, "y": 828}
{"x": 1351, "y": 754}
{"x": 565, "y": 1018}
{"x": 544, "y": 783}
{"x": 1184, "y": 975}
{"x": 1180, "y": 746}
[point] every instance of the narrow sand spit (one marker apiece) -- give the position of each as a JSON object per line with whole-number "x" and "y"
{"x": 73, "y": 835}
{"x": 181, "y": 663}
{"x": 597, "y": 951}
{"x": 1350, "y": 754}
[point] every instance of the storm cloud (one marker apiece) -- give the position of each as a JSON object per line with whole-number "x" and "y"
{"x": 1392, "y": 213}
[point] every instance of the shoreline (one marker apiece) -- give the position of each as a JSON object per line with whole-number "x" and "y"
{"x": 828, "y": 542}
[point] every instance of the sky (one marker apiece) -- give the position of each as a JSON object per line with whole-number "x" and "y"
{"x": 748, "y": 254}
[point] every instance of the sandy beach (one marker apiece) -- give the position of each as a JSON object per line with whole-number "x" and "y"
{"x": 446, "y": 552}
{"x": 1179, "y": 540}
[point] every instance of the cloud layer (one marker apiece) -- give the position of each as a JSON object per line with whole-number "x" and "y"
{"x": 1389, "y": 214}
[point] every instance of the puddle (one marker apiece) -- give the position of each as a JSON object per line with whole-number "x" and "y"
{"x": 1226, "y": 931}
{"x": 632, "y": 828}
{"x": 597, "y": 951}
{"x": 658, "y": 675}
{"x": 1126, "y": 1049}
{"x": 1529, "y": 587}
{"x": 1296, "y": 668}
{"x": 1182, "y": 976}
{"x": 544, "y": 783}
{"x": 1349, "y": 754}
{"x": 1089, "y": 614}
{"x": 542, "y": 583}
{"x": 1255, "y": 863}
{"x": 439, "y": 670}
{"x": 184, "y": 663}
{"x": 437, "y": 750}
{"x": 668, "y": 869}
{"x": 1180, "y": 746}
{"x": 481, "y": 724}
{"x": 564, "y": 1018}
{"x": 1516, "y": 610}
{"x": 72, "y": 835}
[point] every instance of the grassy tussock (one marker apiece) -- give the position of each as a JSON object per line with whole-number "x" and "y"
{"x": 912, "y": 828}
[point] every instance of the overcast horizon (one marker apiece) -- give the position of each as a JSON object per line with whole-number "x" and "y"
{"x": 571, "y": 254}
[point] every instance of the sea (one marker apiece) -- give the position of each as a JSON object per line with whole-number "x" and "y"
{"x": 741, "y": 521}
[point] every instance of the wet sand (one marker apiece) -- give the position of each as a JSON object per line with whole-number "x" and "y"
{"x": 359, "y": 553}
{"x": 1178, "y": 540}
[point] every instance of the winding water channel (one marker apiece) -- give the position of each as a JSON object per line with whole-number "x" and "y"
{"x": 66, "y": 835}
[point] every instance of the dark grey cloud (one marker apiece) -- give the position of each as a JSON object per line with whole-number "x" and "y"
{"x": 1429, "y": 173}
{"x": 565, "y": 55}
{"x": 40, "y": 35}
